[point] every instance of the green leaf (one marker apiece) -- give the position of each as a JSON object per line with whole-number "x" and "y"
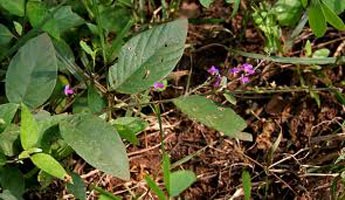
{"x": 332, "y": 18}
{"x": 308, "y": 49}
{"x": 317, "y": 21}
{"x": 155, "y": 188}
{"x": 7, "y": 112}
{"x": 206, "y": 3}
{"x": 12, "y": 179}
{"x": 29, "y": 129}
{"x": 235, "y": 7}
{"x": 2, "y": 159}
{"x": 32, "y": 73}
{"x": 15, "y": 7}
{"x": 36, "y": 12}
{"x": 148, "y": 57}
{"x": 77, "y": 187}
{"x": 86, "y": 48}
{"x": 48, "y": 164}
{"x": 61, "y": 20}
{"x": 97, "y": 142}
{"x": 95, "y": 101}
{"x": 247, "y": 185}
{"x": 230, "y": 98}
{"x": 207, "y": 112}
{"x": 64, "y": 54}
{"x": 5, "y": 35}
{"x": 8, "y": 138}
{"x": 179, "y": 181}
{"x": 288, "y": 12}
{"x": 18, "y": 27}
{"x": 321, "y": 53}
{"x": 114, "y": 19}
{"x": 304, "y": 3}
{"x": 128, "y": 127}
{"x": 44, "y": 179}
{"x": 338, "y": 6}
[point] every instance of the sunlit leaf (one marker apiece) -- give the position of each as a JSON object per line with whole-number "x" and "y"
{"x": 48, "y": 164}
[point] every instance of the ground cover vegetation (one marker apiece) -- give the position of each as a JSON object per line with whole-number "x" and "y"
{"x": 181, "y": 99}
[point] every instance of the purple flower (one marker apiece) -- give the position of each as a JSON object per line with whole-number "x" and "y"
{"x": 244, "y": 79}
{"x": 248, "y": 68}
{"x": 217, "y": 81}
{"x": 68, "y": 91}
{"x": 213, "y": 70}
{"x": 235, "y": 70}
{"x": 158, "y": 85}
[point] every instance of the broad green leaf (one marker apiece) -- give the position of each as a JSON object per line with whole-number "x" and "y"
{"x": 128, "y": 127}
{"x": 246, "y": 184}
{"x": 81, "y": 105}
{"x": 97, "y": 142}
{"x": 288, "y": 12}
{"x": 155, "y": 188}
{"x": 12, "y": 179}
{"x": 180, "y": 181}
{"x": 44, "y": 179}
{"x": 7, "y": 112}
{"x": 148, "y": 57}
{"x": 95, "y": 100}
{"x": 77, "y": 187}
{"x": 114, "y": 19}
{"x": 321, "y": 53}
{"x": 207, "y": 112}
{"x": 332, "y": 18}
{"x": 29, "y": 129}
{"x": 317, "y": 21}
{"x": 36, "y": 12}
{"x": 8, "y": 138}
{"x": 206, "y": 3}
{"x": 5, "y": 35}
{"x": 338, "y": 6}
{"x": 32, "y": 73}
{"x": 61, "y": 20}
{"x": 15, "y": 7}
{"x": 48, "y": 164}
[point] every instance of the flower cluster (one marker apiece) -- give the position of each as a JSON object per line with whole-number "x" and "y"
{"x": 246, "y": 69}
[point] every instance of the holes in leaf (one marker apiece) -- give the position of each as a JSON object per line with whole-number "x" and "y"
{"x": 166, "y": 45}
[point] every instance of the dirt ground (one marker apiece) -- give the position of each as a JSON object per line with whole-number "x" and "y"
{"x": 296, "y": 142}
